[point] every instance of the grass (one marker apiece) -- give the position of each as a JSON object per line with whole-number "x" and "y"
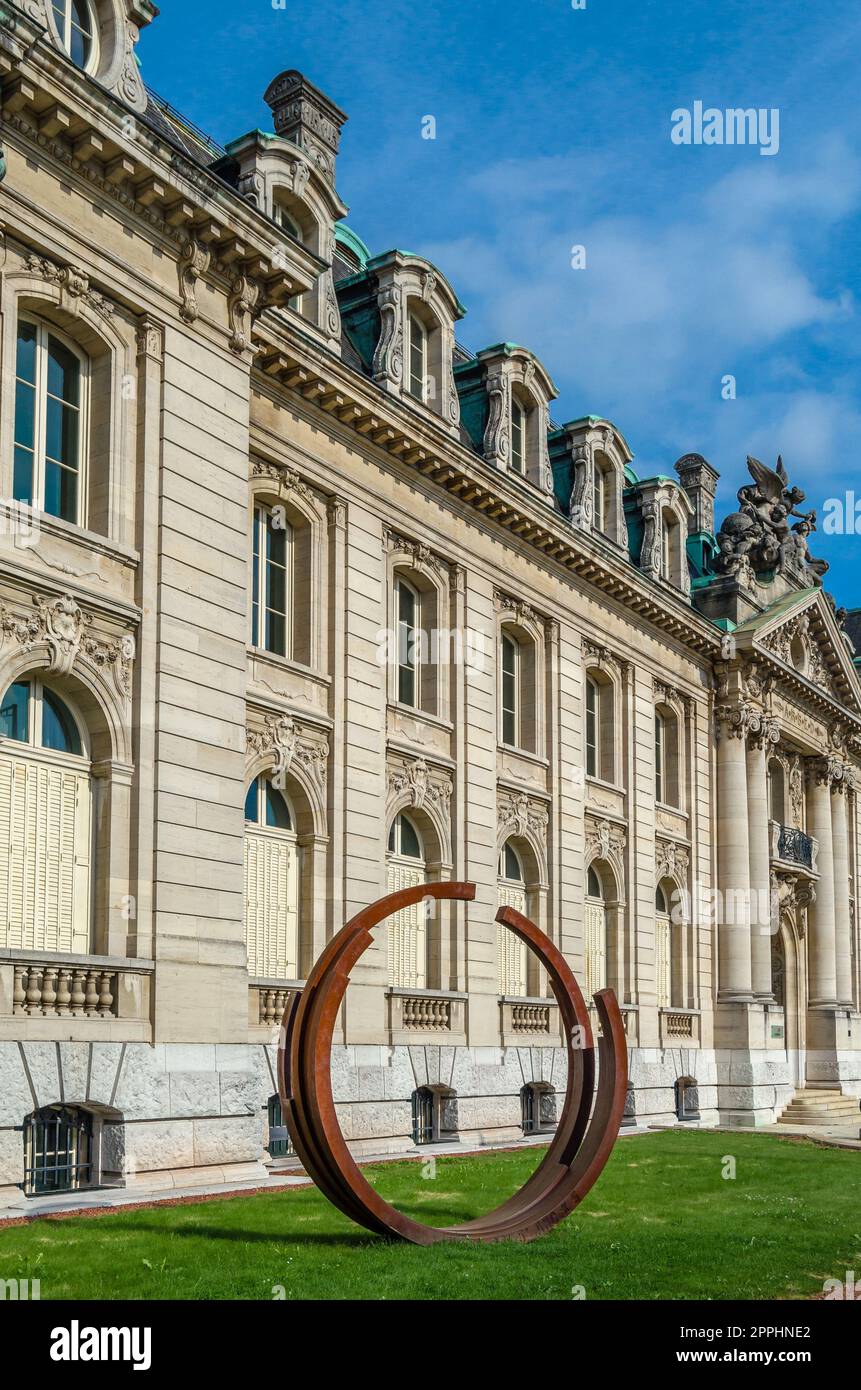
{"x": 661, "y": 1223}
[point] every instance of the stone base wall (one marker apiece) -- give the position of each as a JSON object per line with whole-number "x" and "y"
{"x": 178, "y": 1115}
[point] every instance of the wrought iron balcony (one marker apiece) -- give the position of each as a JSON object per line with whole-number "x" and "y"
{"x": 792, "y": 846}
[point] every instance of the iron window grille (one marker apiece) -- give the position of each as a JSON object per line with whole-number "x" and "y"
{"x": 58, "y": 1150}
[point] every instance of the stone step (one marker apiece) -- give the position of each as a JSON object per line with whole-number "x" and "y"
{"x": 814, "y": 1107}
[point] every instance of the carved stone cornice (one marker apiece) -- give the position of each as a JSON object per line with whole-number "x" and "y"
{"x": 71, "y": 635}
{"x": 523, "y": 815}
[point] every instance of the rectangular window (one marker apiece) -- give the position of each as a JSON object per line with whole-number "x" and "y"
{"x": 600, "y": 499}
{"x": 272, "y": 582}
{"x": 510, "y": 717}
{"x": 591, "y": 729}
{"x": 518, "y": 437}
{"x": 418, "y": 358}
{"x": 408, "y": 672}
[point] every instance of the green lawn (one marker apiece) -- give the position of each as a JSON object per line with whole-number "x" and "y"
{"x": 661, "y": 1223}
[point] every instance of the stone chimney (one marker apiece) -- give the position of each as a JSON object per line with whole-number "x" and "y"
{"x": 699, "y": 480}
{"x": 306, "y": 117}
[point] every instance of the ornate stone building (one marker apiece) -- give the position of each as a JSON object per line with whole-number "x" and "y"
{"x": 301, "y": 600}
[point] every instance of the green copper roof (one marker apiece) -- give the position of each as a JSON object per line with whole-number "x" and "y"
{"x": 347, "y": 237}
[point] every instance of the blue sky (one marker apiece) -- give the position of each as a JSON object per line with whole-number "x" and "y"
{"x": 553, "y": 130}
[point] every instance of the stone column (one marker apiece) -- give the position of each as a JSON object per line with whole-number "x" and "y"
{"x": 822, "y": 946}
{"x": 734, "y": 954}
{"x": 764, "y": 734}
{"x": 842, "y": 916}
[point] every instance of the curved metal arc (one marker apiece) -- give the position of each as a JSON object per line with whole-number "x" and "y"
{"x": 578, "y": 1152}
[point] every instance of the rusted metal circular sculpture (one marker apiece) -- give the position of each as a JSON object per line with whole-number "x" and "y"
{"x": 579, "y": 1149}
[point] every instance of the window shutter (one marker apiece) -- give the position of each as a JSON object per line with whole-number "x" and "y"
{"x": 271, "y": 906}
{"x": 596, "y": 949}
{"x": 407, "y": 931}
{"x": 45, "y": 856}
{"x": 511, "y": 951}
{"x": 662, "y": 954}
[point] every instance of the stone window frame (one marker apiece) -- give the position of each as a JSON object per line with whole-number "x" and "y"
{"x": 428, "y": 575}
{"x": 609, "y": 754}
{"x": 666, "y": 512}
{"x": 113, "y": 64}
{"x": 410, "y": 285}
{"x": 276, "y": 484}
{"x": 515, "y": 375}
{"x": 518, "y": 622}
{"x": 596, "y": 443}
{"x": 668, "y": 705}
{"x": 59, "y": 297}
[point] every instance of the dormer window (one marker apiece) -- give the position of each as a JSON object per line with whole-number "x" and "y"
{"x": 78, "y": 30}
{"x": 603, "y": 495}
{"x": 418, "y": 358}
{"x": 289, "y": 224}
{"x": 518, "y": 437}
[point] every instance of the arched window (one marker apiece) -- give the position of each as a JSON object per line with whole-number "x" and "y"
{"x": 600, "y": 727}
{"x": 418, "y": 358}
{"x": 667, "y": 789}
{"x": 603, "y": 491}
{"x": 511, "y": 951}
{"x": 518, "y": 436}
{"x": 291, "y": 226}
{"x": 51, "y": 402}
{"x": 510, "y": 654}
{"x": 776, "y": 792}
{"x": 596, "y": 934}
{"x": 46, "y": 822}
{"x": 271, "y": 884}
{"x": 405, "y": 868}
{"x": 78, "y": 28}
{"x": 409, "y": 643}
{"x": 272, "y": 582}
{"x": 518, "y": 695}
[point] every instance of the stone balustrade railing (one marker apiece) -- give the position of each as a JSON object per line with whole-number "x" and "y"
{"x": 425, "y": 1011}
{"x": 60, "y": 991}
{"x": 679, "y": 1026}
{"x": 58, "y": 994}
{"x": 267, "y": 1000}
{"x": 530, "y": 1018}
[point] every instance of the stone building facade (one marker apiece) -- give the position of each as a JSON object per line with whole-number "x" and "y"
{"x": 301, "y": 601}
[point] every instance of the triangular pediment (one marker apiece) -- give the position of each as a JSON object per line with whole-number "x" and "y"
{"x": 802, "y": 633}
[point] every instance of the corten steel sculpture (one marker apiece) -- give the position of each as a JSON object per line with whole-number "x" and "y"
{"x": 579, "y": 1149}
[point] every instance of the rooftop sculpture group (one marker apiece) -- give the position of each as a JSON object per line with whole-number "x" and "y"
{"x": 760, "y": 538}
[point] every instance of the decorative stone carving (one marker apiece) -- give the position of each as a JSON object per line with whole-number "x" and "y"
{"x": 290, "y": 745}
{"x": 671, "y": 860}
{"x": 497, "y": 435}
{"x": 287, "y": 479}
{"x": 828, "y": 771}
{"x": 421, "y": 555}
{"x": 242, "y": 301}
{"x": 194, "y": 262}
{"x": 307, "y": 118}
{"x": 424, "y": 785}
{"x": 516, "y": 608}
{"x": 519, "y": 814}
{"x": 743, "y": 720}
{"x": 605, "y": 840}
{"x": 759, "y": 534}
{"x": 150, "y": 338}
{"x": 70, "y": 635}
{"x": 388, "y": 365}
{"x": 583, "y": 489}
{"x": 73, "y": 282}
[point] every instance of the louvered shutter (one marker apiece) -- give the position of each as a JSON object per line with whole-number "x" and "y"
{"x": 662, "y": 961}
{"x": 596, "y": 948}
{"x": 45, "y": 856}
{"x": 510, "y": 950}
{"x": 271, "y": 906}
{"x": 407, "y": 931}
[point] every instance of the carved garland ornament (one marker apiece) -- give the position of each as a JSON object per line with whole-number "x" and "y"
{"x": 72, "y": 281}
{"x": 65, "y": 628}
{"x": 289, "y": 744}
{"x": 519, "y": 814}
{"x": 425, "y": 786}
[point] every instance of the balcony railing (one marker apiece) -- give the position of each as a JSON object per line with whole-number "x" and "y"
{"x": 792, "y": 846}
{"x": 55, "y": 991}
